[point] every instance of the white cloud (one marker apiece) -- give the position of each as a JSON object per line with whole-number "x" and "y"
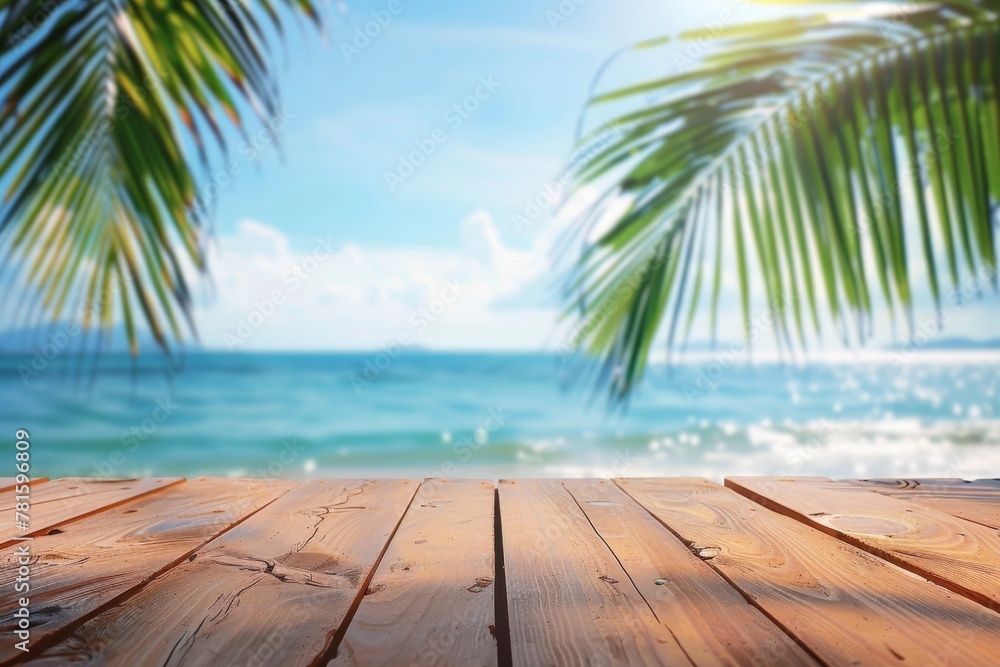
{"x": 269, "y": 296}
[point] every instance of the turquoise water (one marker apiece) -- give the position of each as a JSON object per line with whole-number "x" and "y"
{"x": 489, "y": 415}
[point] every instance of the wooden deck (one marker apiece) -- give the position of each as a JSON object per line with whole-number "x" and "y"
{"x": 761, "y": 571}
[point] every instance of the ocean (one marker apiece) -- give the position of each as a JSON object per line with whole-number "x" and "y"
{"x": 498, "y": 415}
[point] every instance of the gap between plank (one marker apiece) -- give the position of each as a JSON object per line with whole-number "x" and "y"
{"x": 66, "y": 631}
{"x": 97, "y": 510}
{"x": 812, "y": 654}
{"x": 338, "y": 635}
{"x": 501, "y": 614}
{"x": 622, "y": 566}
{"x": 888, "y": 557}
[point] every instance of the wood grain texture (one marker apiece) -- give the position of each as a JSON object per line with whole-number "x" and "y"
{"x": 70, "y": 499}
{"x": 924, "y": 481}
{"x": 431, "y": 599}
{"x": 846, "y": 605}
{"x": 274, "y": 590}
{"x": 8, "y": 483}
{"x": 709, "y": 618}
{"x": 960, "y": 555}
{"x": 569, "y": 600}
{"x": 96, "y": 562}
{"x": 972, "y": 501}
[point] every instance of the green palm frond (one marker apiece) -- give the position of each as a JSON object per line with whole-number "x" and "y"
{"x": 99, "y": 98}
{"x": 822, "y": 157}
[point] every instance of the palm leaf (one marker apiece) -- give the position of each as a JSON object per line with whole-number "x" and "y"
{"x": 824, "y": 155}
{"x": 100, "y": 98}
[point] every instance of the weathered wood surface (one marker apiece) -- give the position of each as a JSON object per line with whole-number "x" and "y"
{"x": 274, "y": 590}
{"x": 977, "y": 501}
{"x": 844, "y": 604}
{"x": 70, "y": 499}
{"x": 94, "y": 563}
{"x": 431, "y": 599}
{"x": 535, "y": 572}
{"x": 570, "y": 602}
{"x": 960, "y": 555}
{"x": 711, "y": 621}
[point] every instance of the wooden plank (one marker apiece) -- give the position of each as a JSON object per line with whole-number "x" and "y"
{"x": 710, "y": 619}
{"x": 431, "y": 600}
{"x": 845, "y": 605}
{"x": 97, "y": 562}
{"x": 972, "y": 501}
{"x": 274, "y": 590}
{"x": 8, "y": 483}
{"x": 569, "y": 600}
{"x": 70, "y": 499}
{"x": 957, "y": 554}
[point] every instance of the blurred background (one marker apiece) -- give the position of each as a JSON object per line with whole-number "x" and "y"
{"x": 383, "y": 294}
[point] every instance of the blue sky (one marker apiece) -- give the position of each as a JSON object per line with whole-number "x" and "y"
{"x": 352, "y": 120}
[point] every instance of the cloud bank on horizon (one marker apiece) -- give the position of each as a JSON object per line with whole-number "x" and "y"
{"x": 482, "y": 294}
